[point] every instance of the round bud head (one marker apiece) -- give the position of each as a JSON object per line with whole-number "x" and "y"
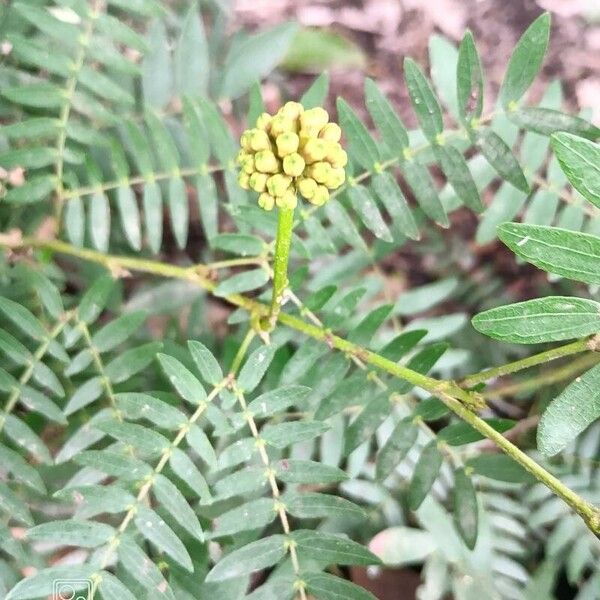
{"x": 331, "y": 132}
{"x": 266, "y": 201}
{"x": 258, "y": 181}
{"x": 281, "y": 124}
{"x": 288, "y": 200}
{"x": 241, "y": 156}
{"x": 292, "y": 110}
{"x": 307, "y": 187}
{"x": 293, "y": 165}
{"x": 315, "y": 118}
{"x": 336, "y": 178}
{"x": 337, "y": 157}
{"x": 245, "y": 140}
{"x": 320, "y": 196}
{"x": 266, "y": 162}
{"x": 263, "y": 121}
{"x": 320, "y": 171}
{"x": 278, "y": 184}
{"x": 248, "y": 164}
{"x": 243, "y": 180}
{"x": 259, "y": 140}
{"x": 287, "y": 143}
{"x": 314, "y": 150}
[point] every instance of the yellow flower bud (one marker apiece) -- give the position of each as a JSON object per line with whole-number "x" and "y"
{"x": 336, "y": 178}
{"x": 248, "y": 164}
{"x": 278, "y": 184}
{"x": 287, "y": 143}
{"x": 331, "y": 132}
{"x": 241, "y": 157}
{"x": 263, "y": 121}
{"x": 315, "y": 118}
{"x": 337, "y": 157}
{"x": 307, "y": 187}
{"x": 243, "y": 180}
{"x": 320, "y": 171}
{"x": 293, "y": 165}
{"x": 258, "y": 181}
{"x": 245, "y": 140}
{"x": 288, "y": 200}
{"x": 320, "y": 196}
{"x": 266, "y": 201}
{"x": 291, "y": 110}
{"x": 281, "y": 124}
{"x": 314, "y": 150}
{"x": 259, "y": 140}
{"x": 266, "y": 162}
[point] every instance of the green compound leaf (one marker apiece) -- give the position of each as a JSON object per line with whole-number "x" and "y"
{"x": 455, "y": 168}
{"x": 501, "y": 157}
{"x": 317, "y": 92}
{"x": 329, "y": 549}
{"x": 466, "y": 511}
{"x": 540, "y": 320}
{"x": 525, "y": 61}
{"x": 255, "y": 367}
{"x": 560, "y": 251}
{"x": 425, "y": 473}
{"x": 155, "y": 530}
{"x": 469, "y": 80}
{"x": 546, "y": 121}
{"x": 328, "y": 587}
{"x": 424, "y": 102}
{"x": 255, "y": 57}
{"x": 85, "y": 534}
{"x": 396, "y": 447}
{"x": 386, "y": 120}
{"x": 570, "y": 413}
{"x": 250, "y": 558}
{"x": 499, "y": 467}
{"x": 362, "y": 147}
{"x": 580, "y": 160}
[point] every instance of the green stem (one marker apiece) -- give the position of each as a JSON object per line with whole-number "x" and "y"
{"x": 554, "y": 376}
{"x": 285, "y": 224}
{"x": 587, "y": 511}
{"x": 526, "y": 363}
{"x": 456, "y": 398}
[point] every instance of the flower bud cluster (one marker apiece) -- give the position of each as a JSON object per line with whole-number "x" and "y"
{"x": 293, "y": 152}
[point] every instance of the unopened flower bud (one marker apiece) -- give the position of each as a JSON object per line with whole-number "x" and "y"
{"x": 314, "y": 150}
{"x": 278, "y": 184}
{"x": 263, "y": 121}
{"x": 259, "y": 140}
{"x": 266, "y": 201}
{"x": 320, "y": 171}
{"x": 258, "y": 181}
{"x": 331, "y": 132}
{"x": 243, "y": 180}
{"x": 292, "y": 110}
{"x": 320, "y": 196}
{"x": 293, "y": 165}
{"x": 266, "y": 162}
{"x": 337, "y": 156}
{"x": 287, "y": 143}
{"x": 245, "y": 140}
{"x": 336, "y": 178}
{"x": 307, "y": 187}
{"x": 288, "y": 200}
{"x": 315, "y": 118}
{"x": 241, "y": 156}
{"x": 281, "y": 124}
{"x": 248, "y": 164}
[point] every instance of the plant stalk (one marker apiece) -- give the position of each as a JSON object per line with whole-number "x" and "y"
{"x": 456, "y": 398}
{"x": 285, "y": 223}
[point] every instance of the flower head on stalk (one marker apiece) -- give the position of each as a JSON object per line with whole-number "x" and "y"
{"x": 293, "y": 152}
